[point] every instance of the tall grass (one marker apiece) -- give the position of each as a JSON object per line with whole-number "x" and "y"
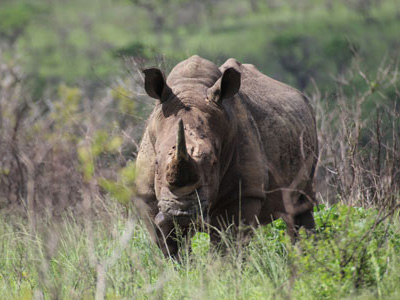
{"x": 112, "y": 256}
{"x": 359, "y": 138}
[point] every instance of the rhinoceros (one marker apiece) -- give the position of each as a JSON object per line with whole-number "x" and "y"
{"x": 225, "y": 145}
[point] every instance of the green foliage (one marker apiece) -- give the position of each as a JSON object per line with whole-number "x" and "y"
{"x": 81, "y": 41}
{"x": 102, "y": 143}
{"x": 137, "y": 49}
{"x": 349, "y": 248}
{"x": 67, "y": 105}
{"x": 121, "y": 189}
{"x": 333, "y": 263}
{"x": 15, "y": 17}
{"x": 340, "y": 51}
{"x": 86, "y": 161}
{"x": 200, "y": 243}
{"x": 126, "y": 105}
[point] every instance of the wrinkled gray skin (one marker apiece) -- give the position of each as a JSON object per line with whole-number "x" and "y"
{"x": 246, "y": 151}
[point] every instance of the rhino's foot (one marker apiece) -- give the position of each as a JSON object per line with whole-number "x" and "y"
{"x": 304, "y": 220}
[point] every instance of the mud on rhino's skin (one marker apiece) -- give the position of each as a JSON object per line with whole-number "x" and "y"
{"x": 230, "y": 140}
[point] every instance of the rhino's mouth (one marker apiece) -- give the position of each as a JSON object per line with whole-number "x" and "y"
{"x": 187, "y": 207}
{"x": 183, "y": 210}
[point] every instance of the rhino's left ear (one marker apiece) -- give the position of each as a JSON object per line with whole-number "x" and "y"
{"x": 154, "y": 83}
{"x": 225, "y": 87}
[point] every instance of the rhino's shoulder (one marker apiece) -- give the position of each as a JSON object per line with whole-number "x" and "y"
{"x": 254, "y": 79}
{"x": 245, "y": 69}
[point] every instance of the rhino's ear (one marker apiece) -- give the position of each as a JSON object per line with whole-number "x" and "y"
{"x": 225, "y": 87}
{"x": 154, "y": 83}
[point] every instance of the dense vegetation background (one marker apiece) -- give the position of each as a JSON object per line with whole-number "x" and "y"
{"x": 292, "y": 41}
{"x": 72, "y": 110}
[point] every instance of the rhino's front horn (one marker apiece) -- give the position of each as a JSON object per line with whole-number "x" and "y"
{"x": 181, "y": 151}
{"x": 182, "y": 169}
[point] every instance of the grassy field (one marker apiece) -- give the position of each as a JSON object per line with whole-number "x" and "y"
{"x": 354, "y": 254}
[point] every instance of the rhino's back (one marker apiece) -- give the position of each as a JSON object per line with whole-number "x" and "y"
{"x": 284, "y": 118}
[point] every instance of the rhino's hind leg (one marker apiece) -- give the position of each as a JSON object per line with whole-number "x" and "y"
{"x": 300, "y": 214}
{"x": 294, "y": 223}
{"x": 305, "y": 220}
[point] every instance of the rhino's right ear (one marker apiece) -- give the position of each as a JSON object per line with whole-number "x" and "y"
{"x": 154, "y": 83}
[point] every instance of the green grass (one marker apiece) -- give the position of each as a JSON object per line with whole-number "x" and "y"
{"x": 62, "y": 258}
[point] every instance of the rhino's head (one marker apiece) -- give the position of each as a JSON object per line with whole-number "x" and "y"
{"x": 192, "y": 131}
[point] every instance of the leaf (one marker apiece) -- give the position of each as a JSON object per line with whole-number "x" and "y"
{"x": 200, "y": 243}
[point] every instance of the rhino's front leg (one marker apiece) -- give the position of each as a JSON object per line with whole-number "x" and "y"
{"x": 244, "y": 215}
{"x": 250, "y": 211}
{"x": 165, "y": 235}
